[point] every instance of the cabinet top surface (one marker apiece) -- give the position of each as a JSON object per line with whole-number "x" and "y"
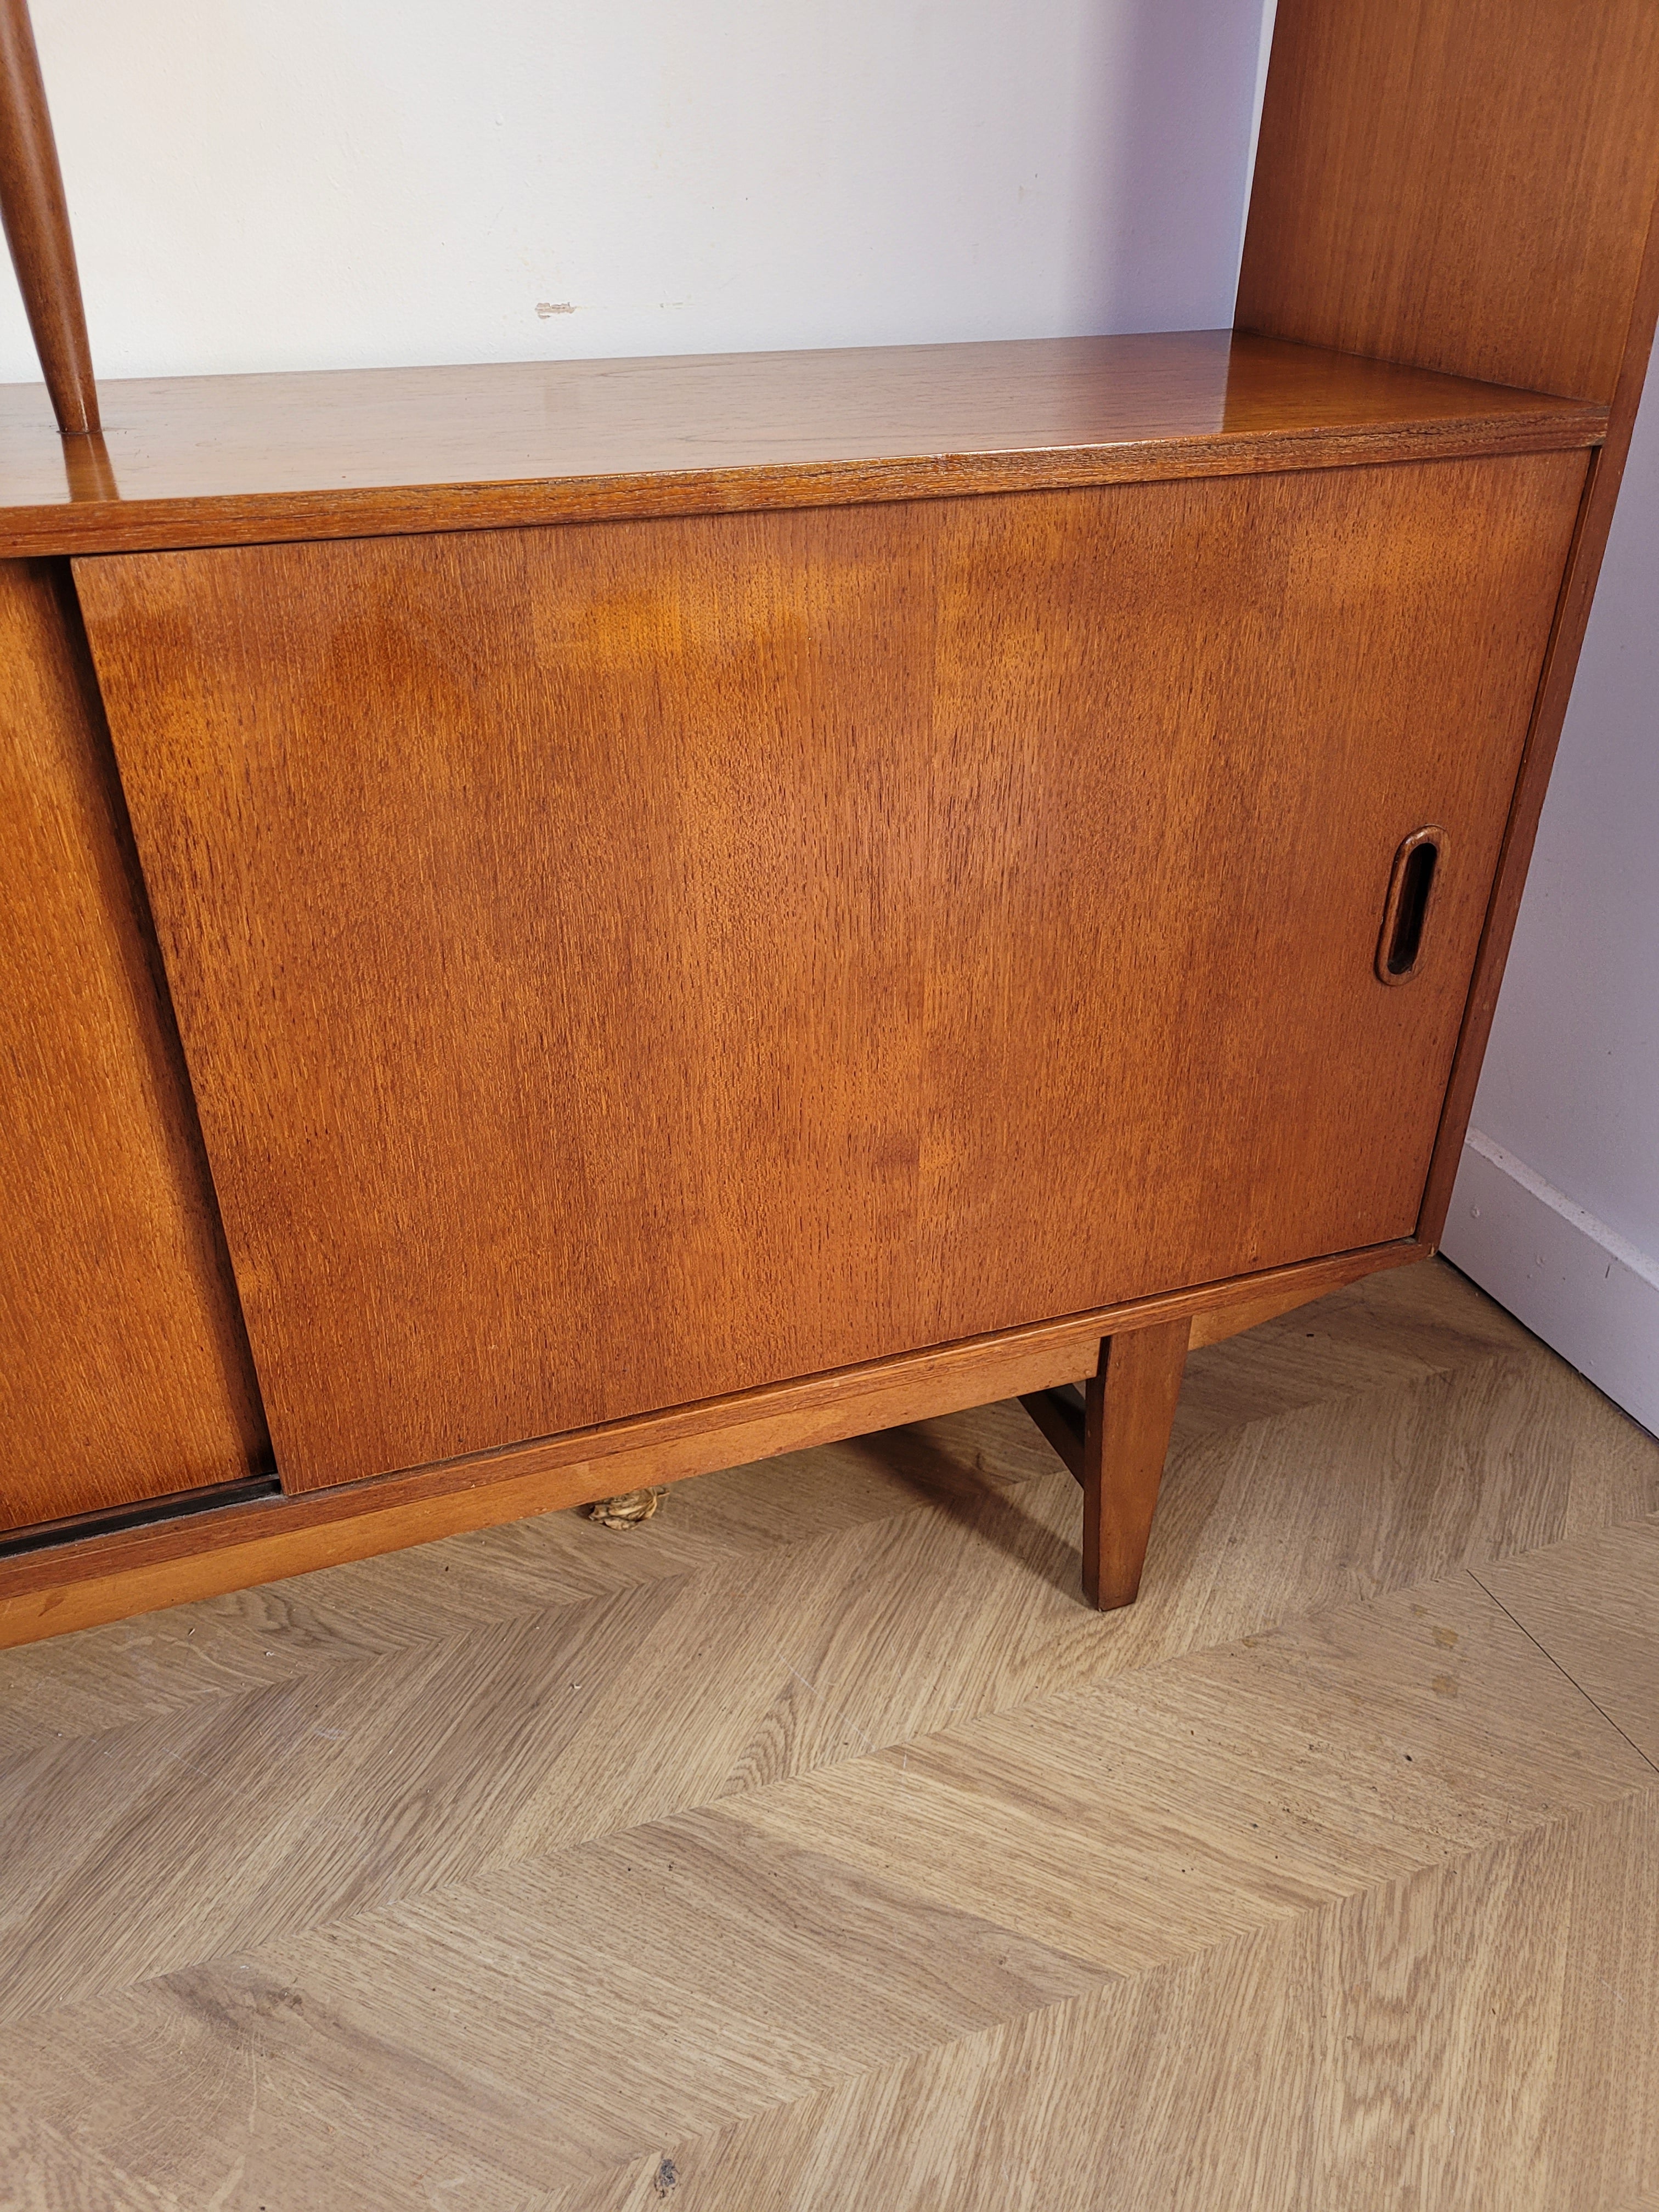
{"x": 236, "y": 459}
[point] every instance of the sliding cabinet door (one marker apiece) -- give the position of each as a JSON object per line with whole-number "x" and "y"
{"x": 124, "y": 1369}
{"x": 625, "y": 964}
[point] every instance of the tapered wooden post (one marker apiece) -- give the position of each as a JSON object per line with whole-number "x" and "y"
{"x": 1115, "y": 1443}
{"x": 37, "y": 227}
{"x": 1130, "y": 1413}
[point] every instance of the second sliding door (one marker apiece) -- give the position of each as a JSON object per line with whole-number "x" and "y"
{"x": 623, "y": 964}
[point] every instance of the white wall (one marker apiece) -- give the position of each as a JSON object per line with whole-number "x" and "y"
{"x": 265, "y": 184}
{"x": 1556, "y": 1211}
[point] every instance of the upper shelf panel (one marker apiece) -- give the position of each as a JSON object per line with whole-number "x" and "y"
{"x": 236, "y": 459}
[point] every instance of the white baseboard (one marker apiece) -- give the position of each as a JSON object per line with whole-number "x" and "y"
{"x": 1587, "y": 1291}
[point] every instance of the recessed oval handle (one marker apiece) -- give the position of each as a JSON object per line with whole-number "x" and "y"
{"x": 1411, "y": 883}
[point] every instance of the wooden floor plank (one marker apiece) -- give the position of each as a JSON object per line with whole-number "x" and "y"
{"x": 1189, "y": 1803}
{"x": 1594, "y": 1605}
{"x": 42, "y": 2169}
{"x": 550, "y": 2020}
{"x": 555, "y": 2017}
{"x": 1482, "y": 2036}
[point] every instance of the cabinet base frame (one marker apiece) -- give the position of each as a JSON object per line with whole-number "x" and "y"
{"x": 111, "y": 1577}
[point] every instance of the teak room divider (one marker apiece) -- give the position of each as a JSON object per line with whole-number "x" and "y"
{"x": 570, "y": 925}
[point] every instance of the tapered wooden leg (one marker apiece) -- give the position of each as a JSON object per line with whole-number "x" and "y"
{"x": 1128, "y": 1414}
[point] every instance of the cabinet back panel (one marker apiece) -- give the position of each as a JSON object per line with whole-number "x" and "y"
{"x": 625, "y": 963}
{"x": 124, "y": 1370}
{"x": 1463, "y": 184}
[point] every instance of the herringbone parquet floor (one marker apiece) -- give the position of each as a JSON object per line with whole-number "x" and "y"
{"x": 811, "y": 1847}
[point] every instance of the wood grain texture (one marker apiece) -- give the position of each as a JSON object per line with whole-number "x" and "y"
{"x": 1323, "y": 1715}
{"x": 1460, "y": 2039}
{"x": 110, "y": 1577}
{"x": 124, "y": 1372}
{"x": 37, "y": 227}
{"x": 1465, "y": 185}
{"x": 1594, "y": 1605}
{"x": 1129, "y": 1413}
{"x": 1472, "y": 188}
{"x": 1265, "y": 1300}
{"x": 811, "y": 1839}
{"x": 233, "y": 459}
{"x": 697, "y": 888}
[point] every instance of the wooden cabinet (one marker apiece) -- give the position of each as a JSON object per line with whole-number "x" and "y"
{"x": 703, "y": 906}
{"x": 624, "y": 964}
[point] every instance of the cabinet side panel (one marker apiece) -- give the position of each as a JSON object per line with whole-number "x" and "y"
{"x": 1560, "y": 663}
{"x": 1460, "y": 185}
{"x": 124, "y": 1367}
